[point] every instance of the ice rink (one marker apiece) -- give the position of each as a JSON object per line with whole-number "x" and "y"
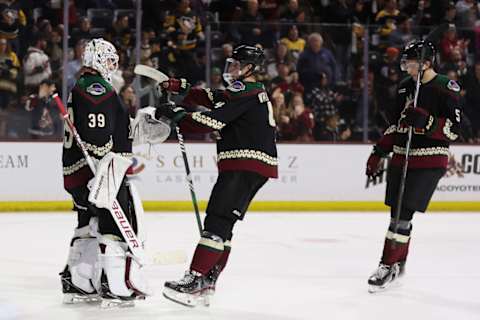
{"x": 283, "y": 266}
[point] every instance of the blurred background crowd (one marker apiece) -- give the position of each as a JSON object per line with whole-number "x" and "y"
{"x": 332, "y": 65}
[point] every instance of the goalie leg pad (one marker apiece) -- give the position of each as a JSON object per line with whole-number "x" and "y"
{"x": 121, "y": 275}
{"x": 82, "y": 260}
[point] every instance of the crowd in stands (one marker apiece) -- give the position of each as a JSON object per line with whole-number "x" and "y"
{"x": 315, "y": 69}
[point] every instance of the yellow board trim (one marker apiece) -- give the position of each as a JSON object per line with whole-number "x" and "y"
{"x": 285, "y": 206}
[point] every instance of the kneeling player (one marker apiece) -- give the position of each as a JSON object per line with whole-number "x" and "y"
{"x": 247, "y": 157}
{"x": 99, "y": 265}
{"x": 436, "y": 123}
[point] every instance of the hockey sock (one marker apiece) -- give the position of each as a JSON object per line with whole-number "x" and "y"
{"x": 209, "y": 250}
{"x": 396, "y": 244}
{"x": 222, "y": 262}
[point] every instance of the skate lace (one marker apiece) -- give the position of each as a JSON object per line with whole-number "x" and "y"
{"x": 187, "y": 278}
{"x": 382, "y": 271}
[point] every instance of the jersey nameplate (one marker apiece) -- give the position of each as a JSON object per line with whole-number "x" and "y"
{"x": 96, "y": 89}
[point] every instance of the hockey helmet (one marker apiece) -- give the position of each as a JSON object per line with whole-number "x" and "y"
{"x": 414, "y": 51}
{"x": 242, "y": 56}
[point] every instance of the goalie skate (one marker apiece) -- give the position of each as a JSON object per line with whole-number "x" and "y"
{"x": 192, "y": 290}
{"x": 74, "y": 295}
{"x": 384, "y": 277}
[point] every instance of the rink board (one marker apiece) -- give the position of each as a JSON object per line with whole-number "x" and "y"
{"x": 312, "y": 177}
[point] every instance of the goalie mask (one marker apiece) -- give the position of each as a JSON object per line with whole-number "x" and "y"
{"x": 241, "y": 57}
{"x": 101, "y": 56}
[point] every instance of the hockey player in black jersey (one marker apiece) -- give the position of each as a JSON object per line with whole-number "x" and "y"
{"x": 99, "y": 263}
{"x": 247, "y": 158}
{"x": 436, "y": 123}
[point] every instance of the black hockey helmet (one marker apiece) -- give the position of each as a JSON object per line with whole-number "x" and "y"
{"x": 249, "y": 54}
{"x": 242, "y": 56}
{"x": 413, "y": 51}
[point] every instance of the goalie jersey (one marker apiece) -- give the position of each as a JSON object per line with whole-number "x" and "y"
{"x": 430, "y": 146}
{"x": 102, "y": 122}
{"x": 243, "y": 116}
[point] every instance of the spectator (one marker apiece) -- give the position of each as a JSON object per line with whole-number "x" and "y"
{"x": 450, "y": 14}
{"x": 451, "y": 42}
{"x": 472, "y": 98}
{"x": 55, "y": 52}
{"x": 360, "y": 12}
{"x": 467, "y": 12}
{"x": 129, "y": 99}
{"x": 83, "y": 32}
{"x": 251, "y": 29}
{"x": 45, "y": 120}
{"x": 339, "y": 12}
{"x": 281, "y": 56}
{"x": 390, "y": 10}
{"x": 36, "y": 64}
{"x": 216, "y": 81}
{"x": 74, "y": 66}
{"x": 403, "y": 34}
{"x": 270, "y": 9}
{"x": 456, "y": 63}
{"x": 426, "y": 13}
{"x": 294, "y": 43}
{"x": 334, "y": 130}
{"x": 120, "y": 29}
{"x": 184, "y": 30}
{"x": 300, "y": 124}
{"x": 9, "y": 66}
{"x": 227, "y": 50}
{"x": 293, "y": 13}
{"x": 323, "y": 101}
{"x": 314, "y": 61}
{"x": 11, "y": 19}
{"x": 282, "y": 79}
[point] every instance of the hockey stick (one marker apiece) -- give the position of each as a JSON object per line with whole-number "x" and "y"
{"x": 160, "y": 77}
{"x": 116, "y": 210}
{"x": 433, "y": 37}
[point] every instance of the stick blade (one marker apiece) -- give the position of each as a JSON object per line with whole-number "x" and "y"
{"x": 150, "y": 72}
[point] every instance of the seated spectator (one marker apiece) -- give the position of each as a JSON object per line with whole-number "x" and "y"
{"x": 451, "y": 42}
{"x": 45, "y": 119}
{"x": 9, "y": 66}
{"x": 83, "y": 31}
{"x": 11, "y": 19}
{"x": 299, "y": 125}
{"x": 55, "y": 52}
{"x": 456, "y": 63}
{"x": 293, "y": 42}
{"x": 184, "y": 30}
{"x": 36, "y": 64}
{"x": 314, "y": 61}
{"x": 333, "y": 130}
{"x": 216, "y": 81}
{"x": 295, "y": 14}
{"x": 129, "y": 99}
{"x": 403, "y": 34}
{"x": 472, "y": 98}
{"x": 73, "y": 67}
{"x": 251, "y": 29}
{"x": 120, "y": 28}
{"x": 270, "y": 9}
{"x": 227, "y": 51}
{"x": 323, "y": 101}
{"x": 281, "y": 56}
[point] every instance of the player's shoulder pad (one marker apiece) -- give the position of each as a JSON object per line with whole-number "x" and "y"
{"x": 450, "y": 85}
{"x": 237, "y": 86}
{"x": 94, "y": 85}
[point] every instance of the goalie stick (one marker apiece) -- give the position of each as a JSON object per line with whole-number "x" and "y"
{"x": 115, "y": 209}
{"x": 160, "y": 77}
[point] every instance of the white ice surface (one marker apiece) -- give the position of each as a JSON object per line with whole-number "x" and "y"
{"x": 283, "y": 266}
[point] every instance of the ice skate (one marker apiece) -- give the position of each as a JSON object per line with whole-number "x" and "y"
{"x": 73, "y": 294}
{"x": 192, "y": 290}
{"x": 383, "y": 277}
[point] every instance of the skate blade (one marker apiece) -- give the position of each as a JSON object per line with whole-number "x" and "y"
{"x": 74, "y": 298}
{"x": 185, "y": 299}
{"x": 116, "y": 303}
{"x": 389, "y": 285}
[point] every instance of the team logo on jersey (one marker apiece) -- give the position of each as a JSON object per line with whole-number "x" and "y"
{"x": 237, "y": 86}
{"x": 453, "y": 85}
{"x": 96, "y": 89}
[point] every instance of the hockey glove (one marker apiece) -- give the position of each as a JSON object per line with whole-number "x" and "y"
{"x": 375, "y": 163}
{"x": 170, "y": 111}
{"x": 417, "y": 117}
{"x": 173, "y": 85}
